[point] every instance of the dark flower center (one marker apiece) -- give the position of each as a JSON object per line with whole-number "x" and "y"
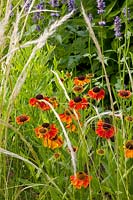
{"x": 81, "y": 78}
{"x": 55, "y": 138}
{"x": 77, "y": 99}
{"x": 81, "y": 175}
{"x": 96, "y": 89}
{"x": 78, "y": 88}
{"x": 129, "y": 118}
{"x": 100, "y": 151}
{"x": 124, "y": 93}
{"x": 23, "y": 118}
{"x": 129, "y": 145}
{"x": 106, "y": 126}
{"x": 39, "y": 96}
{"x": 45, "y": 125}
{"x": 43, "y": 130}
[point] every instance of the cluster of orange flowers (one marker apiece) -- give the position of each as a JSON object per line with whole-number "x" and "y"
{"x": 48, "y": 133}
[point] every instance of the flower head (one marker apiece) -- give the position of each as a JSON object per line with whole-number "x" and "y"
{"x": 125, "y": 94}
{"x": 81, "y": 179}
{"x": 90, "y": 17}
{"x": 68, "y": 116}
{"x": 129, "y": 149}
{"x": 78, "y": 103}
{"x": 96, "y": 93}
{"x": 129, "y": 118}
{"x": 78, "y": 89}
{"x": 46, "y": 130}
{"x": 105, "y": 129}
{"x": 71, "y": 5}
{"x": 22, "y": 119}
{"x": 117, "y": 27}
{"x": 71, "y": 127}
{"x": 126, "y": 13}
{"x": 38, "y": 102}
{"x": 53, "y": 143}
{"x": 81, "y": 80}
{"x": 100, "y": 6}
{"x": 100, "y": 152}
{"x": 102, "y": 23}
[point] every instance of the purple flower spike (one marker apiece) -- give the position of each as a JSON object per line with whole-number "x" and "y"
{"x": 27, "y": 4}
{"x": 54, "y": 3}
{"x": 126, "y": 13}
{"x": 37, "y": 16}
{"x": 90, "y": 17}
{"x": 117, "y": 27}
{"x": 102, "y": 23}
{"x": 71, "y": 5}
{"x": 100, "y": 6}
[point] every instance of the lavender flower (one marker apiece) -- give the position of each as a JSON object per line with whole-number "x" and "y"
{"x": 90, "y": 17}
{"x": 126, "y": 13}
{"x": 102, "y": 23}
{"x": 11, "y": 8}
{"x": 27, "y": 4}
{"x": 71, "y": 5}
{"x": 54, "y": 3}
{"x": 117, "y": 27}
{"x": 100, "y": 6}
{"x": 37, "y": 16}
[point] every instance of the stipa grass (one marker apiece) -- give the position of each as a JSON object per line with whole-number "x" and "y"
{"x": 58, "y": 142}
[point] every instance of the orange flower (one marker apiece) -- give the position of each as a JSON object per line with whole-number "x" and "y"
{"x": 71, "y": 127}
{"x": 125, "y": 94}
{"x": 78, "y": 103}
{"x": 129, "y": 149}
{"x": 105, "y": 129}
{"x": 68, "y": 116}
{"x": 53, "y": 101}
{"x": 47, "y": 130}
{"x": 81, "y": 80}
{"x": 22, "y": 119}
{"x": 53, "y": 143}
{"x": 80, "y": 179}
{"x": 96, "y": 93}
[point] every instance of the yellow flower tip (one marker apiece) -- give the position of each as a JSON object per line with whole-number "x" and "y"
{"x": 57, "y": 155}
{"x": 78, "y": 89}
{"x": 129, "y": 118}
{"x": 100, "y": 152}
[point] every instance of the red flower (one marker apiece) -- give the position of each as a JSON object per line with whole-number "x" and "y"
{"x": 22, "y": 119}
{"x": 96, "y": 93}
{"x": 81, "y": 80}
{"x": 39, "y": 103}
{"x": 53, "y": 143}
{"x": 125, "y": 94}
{"x": 47, "y": 130}
{"x": 80, "y": 179}
{"x": 78, "y": 103}
{"x": 105, "y": 129}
